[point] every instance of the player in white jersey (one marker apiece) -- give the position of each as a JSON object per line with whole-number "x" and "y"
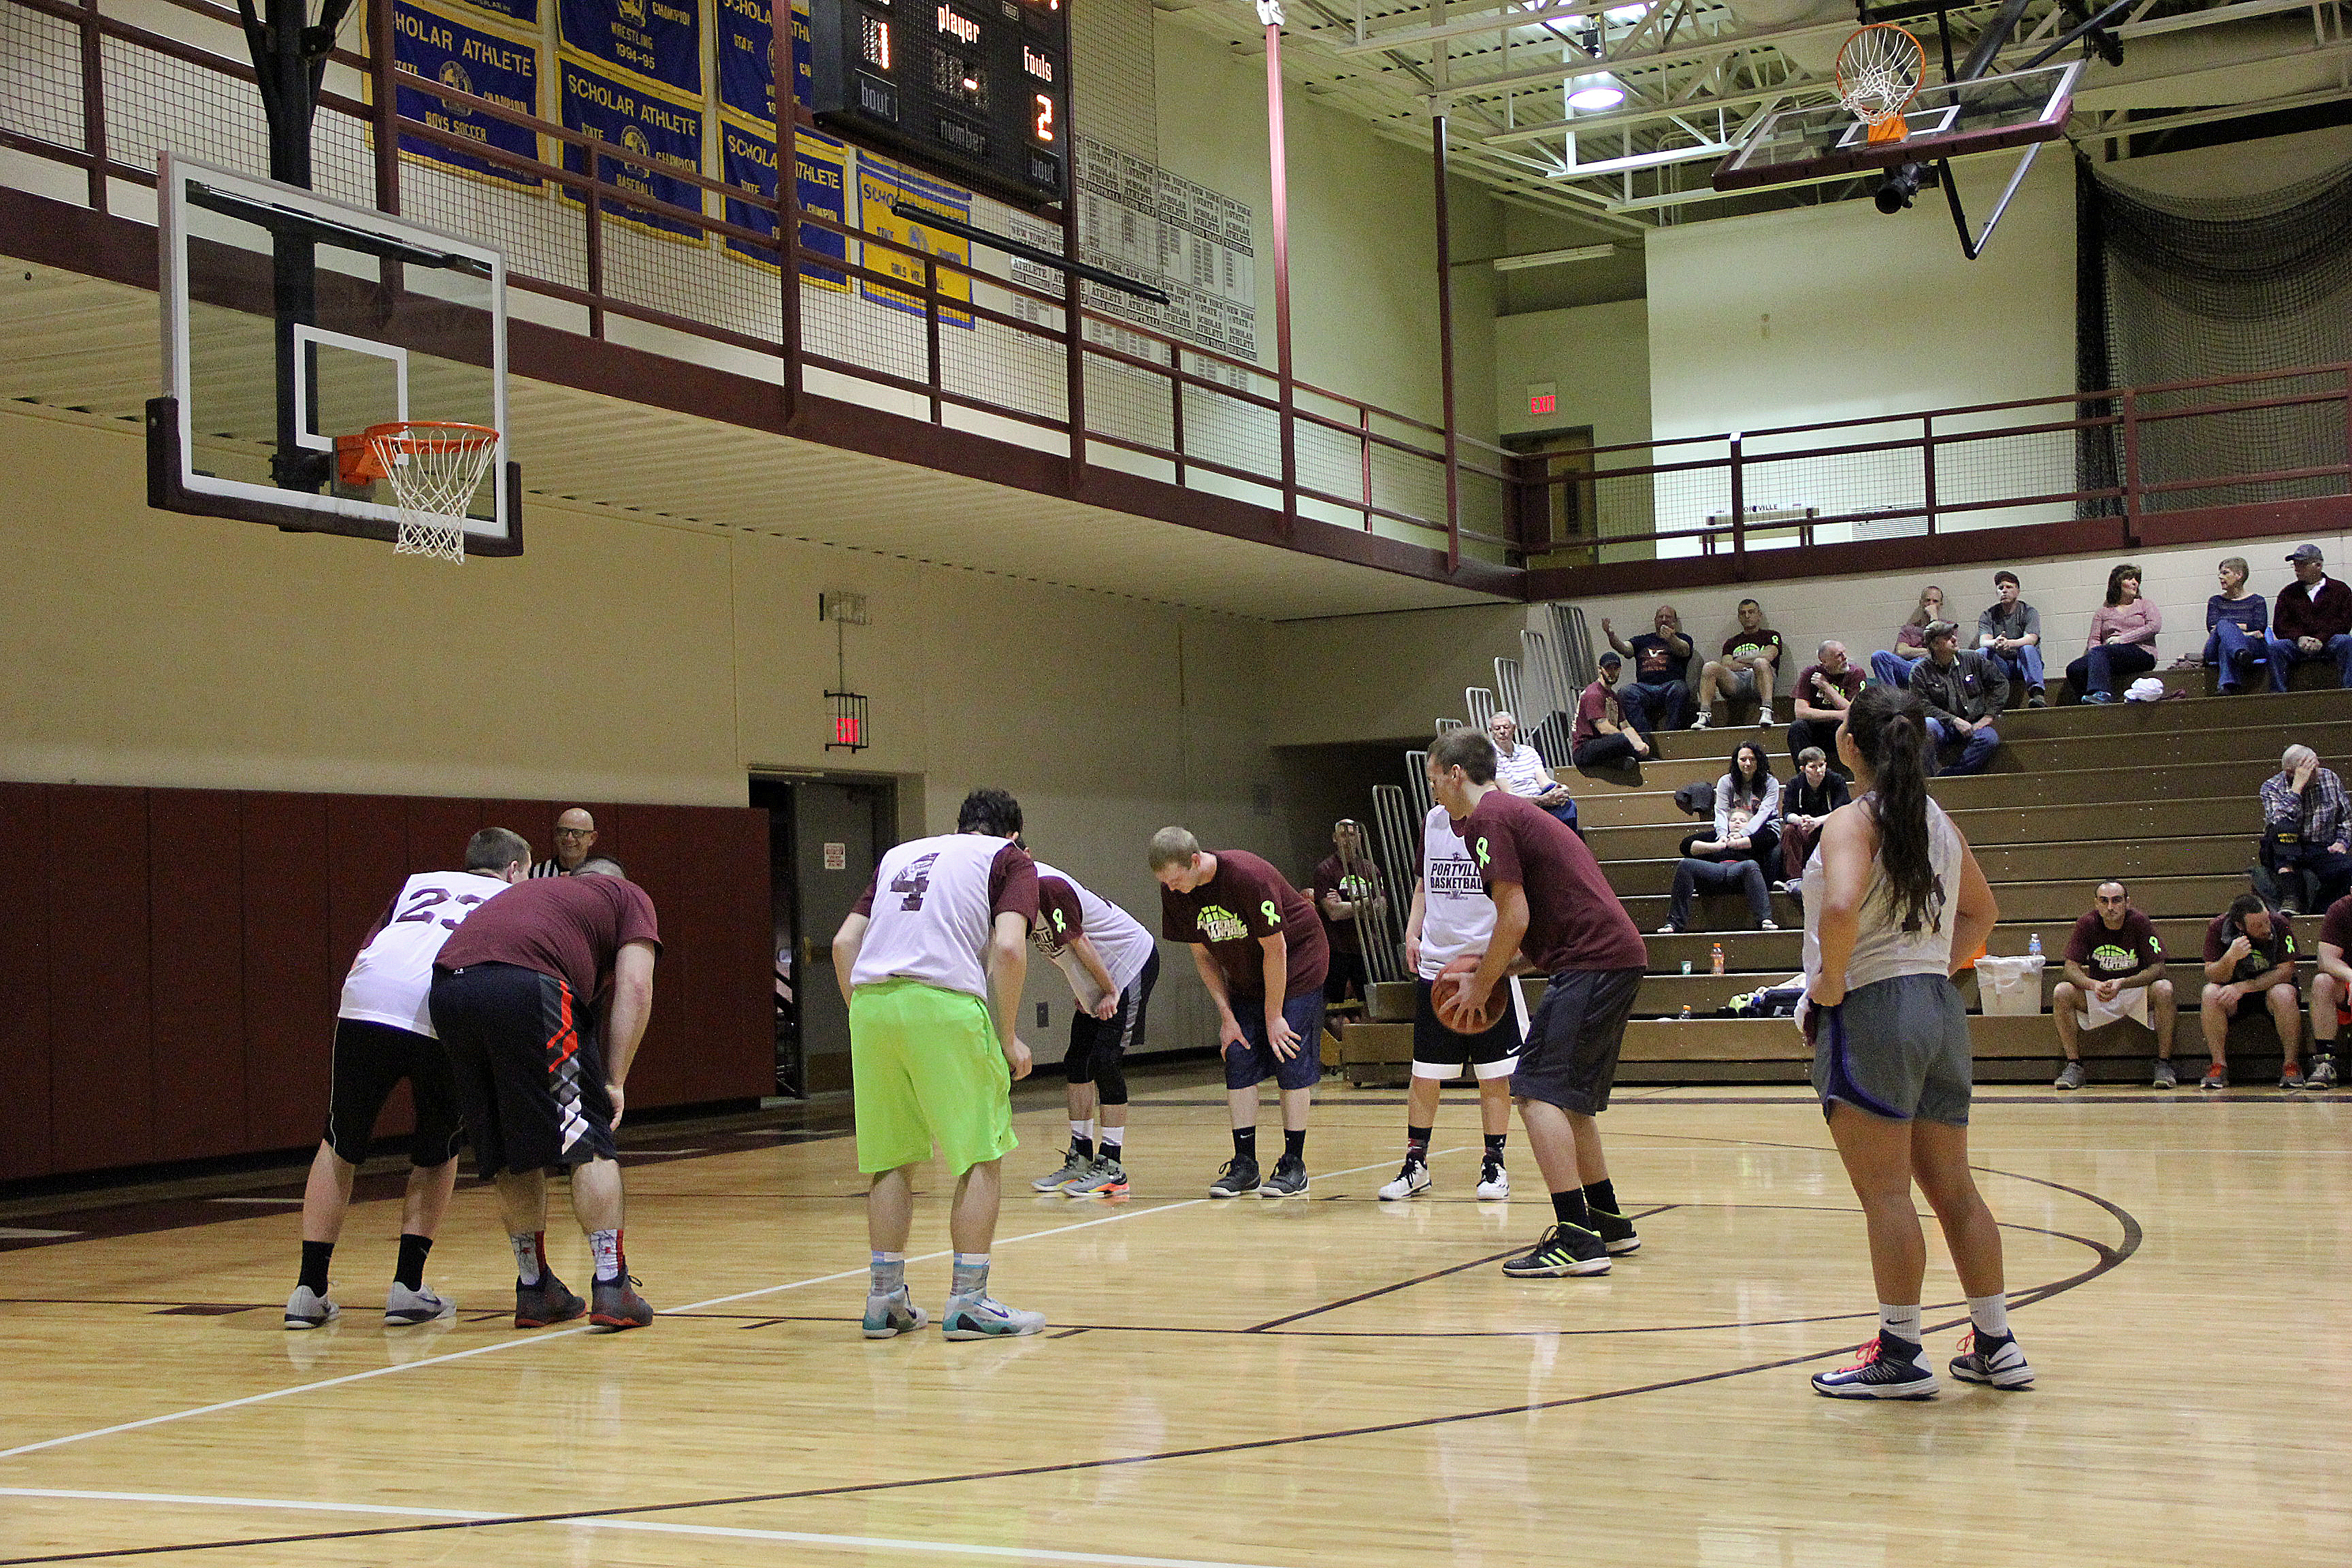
{"x": 1453, "y": 918}
{"x": 384, "y": 1034}
{"x": 931, "y": 960}
{"x": 1111, "y": 964}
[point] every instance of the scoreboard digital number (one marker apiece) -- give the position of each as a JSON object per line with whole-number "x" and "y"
{"x": 975, "y": 90}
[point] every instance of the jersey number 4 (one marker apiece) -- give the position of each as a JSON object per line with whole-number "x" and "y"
{"x": 913, "y": 883}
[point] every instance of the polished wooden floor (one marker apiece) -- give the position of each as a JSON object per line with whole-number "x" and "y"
{"x": 1329, "y": 1381}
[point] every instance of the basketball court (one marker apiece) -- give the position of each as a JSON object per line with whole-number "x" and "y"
{"x": 1329, "y": 1381}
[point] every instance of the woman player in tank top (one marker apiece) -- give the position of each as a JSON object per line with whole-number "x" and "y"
{"x": 1894, "y": 900}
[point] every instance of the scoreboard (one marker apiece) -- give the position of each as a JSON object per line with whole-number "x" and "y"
{"x": 976, "y": 89}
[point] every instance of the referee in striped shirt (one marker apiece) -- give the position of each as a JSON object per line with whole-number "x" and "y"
{"x": 575, "y": 835}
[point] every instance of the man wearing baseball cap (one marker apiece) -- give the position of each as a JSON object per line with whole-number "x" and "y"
{"x": 1602, "y": 735}
{"x": 2312, "y": 619}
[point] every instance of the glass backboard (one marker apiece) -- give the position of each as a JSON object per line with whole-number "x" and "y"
{"x": 1945, "y": 120}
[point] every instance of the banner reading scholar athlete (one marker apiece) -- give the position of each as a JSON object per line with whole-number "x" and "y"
{"x": 751, "y": 157}
{"x": 658, "y": 40}
{"x": 438, "y": 49}
{"x": 747, "y": 68}
{"x": 648, "y": 126}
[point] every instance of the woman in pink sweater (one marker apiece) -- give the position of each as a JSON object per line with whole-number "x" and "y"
{"x": 2122, "y": 639}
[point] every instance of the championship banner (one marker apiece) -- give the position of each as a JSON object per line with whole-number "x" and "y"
{"x": 878, "y": 185}
{"x": 650, "y": 126}
{"x": 523, "y": 14}
{"x": 747, "y": 76}
{"x": 483, "y": 64}
{"x": 750, "y": 159}
{"x": 659, "y": 41}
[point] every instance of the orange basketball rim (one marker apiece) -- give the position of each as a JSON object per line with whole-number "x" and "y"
{"x": 1878, "y": 75}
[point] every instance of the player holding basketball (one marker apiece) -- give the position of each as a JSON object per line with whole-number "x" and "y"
{"x": 1453, "y": 918}
{"x": 1261, "y": 955}
{"x": 540, "y": 1075}
{"x": 383, "y": 1033}
{"x": 941, "y": 933}
{"x": 1111, "y": 964}
{"x": 1553, "y": 907}
{"x": 1894, "y": 900}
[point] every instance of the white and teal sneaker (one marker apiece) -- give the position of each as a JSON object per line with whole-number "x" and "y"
{"x": 980, "y": 1316}
{"x": 889, "y": 1316}
{"x": 1075, "y": 1167}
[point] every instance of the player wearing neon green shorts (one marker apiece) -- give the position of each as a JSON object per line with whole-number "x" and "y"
{"x": 931, "y": 960}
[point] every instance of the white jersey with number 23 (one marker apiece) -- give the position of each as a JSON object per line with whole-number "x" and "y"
{"x": 391, "y": 980}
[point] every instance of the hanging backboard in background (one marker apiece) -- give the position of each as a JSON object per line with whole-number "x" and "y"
{"x": 1946, "y": 120}
{"x": 289, "y": 320}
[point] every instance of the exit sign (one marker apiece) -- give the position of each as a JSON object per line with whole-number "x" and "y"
{"x": 1543, "y": 397}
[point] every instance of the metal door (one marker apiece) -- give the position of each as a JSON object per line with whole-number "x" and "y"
{"x": 836, "y": 840}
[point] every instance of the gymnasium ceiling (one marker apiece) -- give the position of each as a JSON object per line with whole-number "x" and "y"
{"x": 1696, "y": 74}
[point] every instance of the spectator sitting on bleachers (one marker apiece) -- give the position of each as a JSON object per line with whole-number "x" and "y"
{"x": 2312, "y": 620}
{"x": 2331, "y": 994}
{"x": 2236, "y": 628}
{"x": 1520, "y": 768}
{"x": 1752, "y": 659}
{"x": 2122, "y": 642}
{"x": 1658, "y": 697}
{"x": 1747, "y": 836}
{"x": 1601, "y": 735}
{"x": 1910, "y": 648}
{"x": 1806, "y": 802}
{"x": 2010, "y": 631}
{"x": 2249, "y": 951}
{"x": 1964, "y": 691}
{"x": 1822, "y": 691}
{"x": 2304, "y": 845}
{"x": 2115, "y": 969}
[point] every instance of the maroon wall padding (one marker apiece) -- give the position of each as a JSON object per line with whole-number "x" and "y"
{"x": 196, "y": 970}
{"x": 24, "y": 1148}
{"x": 292, "y": 983}
{"x": 102, "y": 1077}
{"x": 171, "y": 961}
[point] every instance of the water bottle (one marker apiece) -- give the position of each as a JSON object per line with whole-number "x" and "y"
{"x": 1718, "y": 958}
{"x": 2033, "y": 945}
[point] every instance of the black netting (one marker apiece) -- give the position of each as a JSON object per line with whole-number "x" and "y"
{"x": 2190, "y": 289}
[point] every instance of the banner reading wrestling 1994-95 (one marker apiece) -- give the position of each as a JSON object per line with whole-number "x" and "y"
{"x": 657, "y": 42}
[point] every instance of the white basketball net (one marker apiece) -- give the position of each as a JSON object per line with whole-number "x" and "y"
{"x": 1879, "y": 72}
{"x": 434, "y": 472}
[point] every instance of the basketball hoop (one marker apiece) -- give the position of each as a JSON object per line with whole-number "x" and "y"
{"x": 1878, "y": 74}
{"x": 434, "y": 468}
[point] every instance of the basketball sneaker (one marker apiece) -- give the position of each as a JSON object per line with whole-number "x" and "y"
{"x": 1289, "y": 1180}
{"x": 2071, "y": 1077}
{"x": 305, "y": 1308}
{"x": 1997, "y": 1362}
{"x": 619, "y": 1307}
{"x": 404, "y": 1307}
{"x": 2323, "y": 1073}
{"x": 549, "y": 1301}
{"x": 1236, "y": 1176}
{"x": 1075, "y": 1166}
{"x": 1616, "y": 1232}
{"x": 2216, "y": 1077}
{"x": 2165, "y": 1078}
{"x": 1493, "y": 1182}
{"x": 980, "y": 1316}
{"x": 1412, "y": 1179}
{"x": 1104, "y": 1178}
{"x": 886, "y": 1317}
{"x": 2291, "y": 1076}
{"x": 1887, "y": 1368}
{"x": 1565, "y": 1249}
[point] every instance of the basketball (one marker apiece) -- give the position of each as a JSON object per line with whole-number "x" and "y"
{"x": 1444, "y": 994}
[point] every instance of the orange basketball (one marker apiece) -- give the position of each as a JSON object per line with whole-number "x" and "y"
{"x": 1445, "y": 997}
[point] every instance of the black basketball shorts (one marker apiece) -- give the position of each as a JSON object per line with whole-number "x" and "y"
{"x": 528, "y": 1065}
{"x": 1571, "y": 1060}
{"x": 1438, "y": 1052}
{"x": 370, "y": 1061}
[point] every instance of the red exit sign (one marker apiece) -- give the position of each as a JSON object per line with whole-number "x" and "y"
{"x": 1543, "y": 397}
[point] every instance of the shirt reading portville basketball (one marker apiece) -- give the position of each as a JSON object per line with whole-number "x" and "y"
{"x": 1457, "y": 918}
{"x": 567, "y": 927}
{"x": 1066, "y": 910}
{"x": 2105, "y": 954}
{"x": 1233, "y": 911}
{"x": 932, "y": 905}
{"x": 391, "y": 981}
{"x": 1574, "y": 920}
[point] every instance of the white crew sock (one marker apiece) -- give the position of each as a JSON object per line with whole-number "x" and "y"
{"x": 1989, "y": 1314}
{"x": 1901, "y": 1323}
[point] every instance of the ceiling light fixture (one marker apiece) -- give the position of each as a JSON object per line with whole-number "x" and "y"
{"x": 1552, "y": 258}
{"x": 1594, "y": 92}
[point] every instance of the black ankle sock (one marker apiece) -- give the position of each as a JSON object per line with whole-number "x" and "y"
{"x": 1416, "y": 1142}
{"x": 1083, "y": 1148}
{"x": 1495, "y": 1141}
{"x": 1600, "y": 1195}
{"x": 1294, "y": 1144}
{"x": 410, "y": 1270}
{"x": 1245, "y": 1142}
{"x": 1568, "y": 1208}
{"x": 315, "y": 1255}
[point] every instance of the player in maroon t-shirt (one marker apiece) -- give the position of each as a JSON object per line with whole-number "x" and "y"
{"x": 1555, "y": 912}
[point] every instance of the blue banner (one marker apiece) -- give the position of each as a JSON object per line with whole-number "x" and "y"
{"x": 823, "y": 164}
{"x": 659, "y": 41}
{"x": 642, "y": 123}
{"x": 747, "y": 76}
{"x": 483, "y": 64}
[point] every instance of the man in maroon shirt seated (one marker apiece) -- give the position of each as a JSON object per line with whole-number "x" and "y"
{"x": 1261, "y": 955}
{"x": 1554, "y": 909}
{"x": 539, "y": 1075}
{"x": 2312, "y": 619}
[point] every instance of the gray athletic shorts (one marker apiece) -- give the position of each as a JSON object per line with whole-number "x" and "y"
{"x": 1896, "y": 1048}
{"x": 1737, "y": 682}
